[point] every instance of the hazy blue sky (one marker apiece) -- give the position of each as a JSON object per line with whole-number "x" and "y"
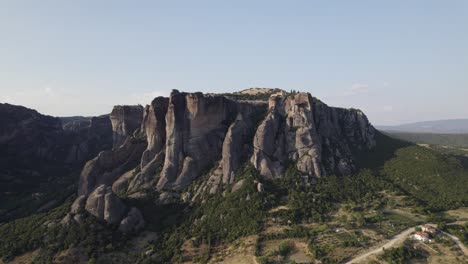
{"x": 399, "y": 61}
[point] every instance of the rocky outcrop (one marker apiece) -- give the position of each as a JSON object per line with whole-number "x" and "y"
{"x": 318, "y": 138}
{"x": 195, "y": 129}
{"x": 78, "y": 205}
{"x": 125, "y": 120}
{"x": 237, "y": 146}
{"x": 105, "y": 205}
{"x": 133, "y": 222}
{"x": 154, "y": 127}
{"x": 182, "y": 137}
{"x": 109, "y": 165}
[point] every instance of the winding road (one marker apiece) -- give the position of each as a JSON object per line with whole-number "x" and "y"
{"x": 396, "y": 239}
{"x": 458, "y": 242}
{"x": 400, "y": 238}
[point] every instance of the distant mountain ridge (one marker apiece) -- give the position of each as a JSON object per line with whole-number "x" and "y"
{"x": 449, "y": 126}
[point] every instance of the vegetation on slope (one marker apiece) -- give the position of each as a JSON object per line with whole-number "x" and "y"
{"x": 436, "y": 181}
{"x": 45, "y": 232}
{"x": 439, "y": 181}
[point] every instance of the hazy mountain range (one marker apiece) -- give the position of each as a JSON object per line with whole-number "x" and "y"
{"x": 450, "y": 126}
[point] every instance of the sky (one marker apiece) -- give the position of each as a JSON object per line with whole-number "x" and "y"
{"x": 399, "y": 61}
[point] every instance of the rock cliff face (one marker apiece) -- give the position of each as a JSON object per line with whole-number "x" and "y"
{"x": 195, "y": 128}
{"x": 129, "y": 144}
{"x": 172, "y": 142}
{"x": 177, "y": 139}
{"x": 125, "y": 120}
{"x": 109, "y": 165}
{"x": 154, "y": 126}
{"x": 318, "y": 138}
{"x": 88, "y": 136}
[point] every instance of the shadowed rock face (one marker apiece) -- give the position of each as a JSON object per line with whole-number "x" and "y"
{"x": 109, "y": 165}
{"x": 129, "y": 145}
{"x": 154, "y": 126}
{"x": 88, "y": 137}
{"x": 27, "y": 134}
{"x": 125, "y": 120}
{"x": 37, "y": 154}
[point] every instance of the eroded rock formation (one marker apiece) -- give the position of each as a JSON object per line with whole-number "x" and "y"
{"x": 195, "y": 129}
{"x": 318, "y": 138}
{"x": 171, "y": 143}
{"x": 125, "y": 120}
{"x": 109, "y": 165}
{"x": 105, "y": 205}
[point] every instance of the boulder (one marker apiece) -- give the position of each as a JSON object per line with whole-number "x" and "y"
{"x": 260, "y": 187}
{"x": 238, "y": 186}
{"x": 168, "y": 197}
{"x": 133, "y": 222}
{"x": 105, "y": 205}
{"x": 79, "y": 218}
{"x": 67, "y": 219}
{"x": 78, "y": 205}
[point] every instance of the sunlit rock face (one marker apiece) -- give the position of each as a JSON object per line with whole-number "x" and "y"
{"x": 317, "y": 137}
{"x": 174, "y": 141}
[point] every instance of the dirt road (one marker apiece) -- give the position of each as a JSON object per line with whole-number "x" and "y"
{"x": 458, "y": 242}
{"x": 400, "y": 238}
{"x": 396, "y": 239}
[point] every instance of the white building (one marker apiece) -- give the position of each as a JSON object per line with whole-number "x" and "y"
{"x": 422, "y": 236}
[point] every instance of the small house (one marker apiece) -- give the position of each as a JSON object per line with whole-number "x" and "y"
{"x": 430, "y": 229}
{"x": 421, "y": 236}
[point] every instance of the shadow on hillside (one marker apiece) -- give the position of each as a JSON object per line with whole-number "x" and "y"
{"x": 383, "y": 151}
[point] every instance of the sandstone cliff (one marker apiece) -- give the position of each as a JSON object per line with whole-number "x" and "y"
{"x": 173, "y": 142}
{"x": 318, "y": 138}
{"x": 190, "y": 134}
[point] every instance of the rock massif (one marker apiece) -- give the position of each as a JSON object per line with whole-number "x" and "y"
{"x": 196, "y": 127}
{"x": 318, "y": 138}
{"x": 171, "y": 143}
{"x": 128, "y": 144}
